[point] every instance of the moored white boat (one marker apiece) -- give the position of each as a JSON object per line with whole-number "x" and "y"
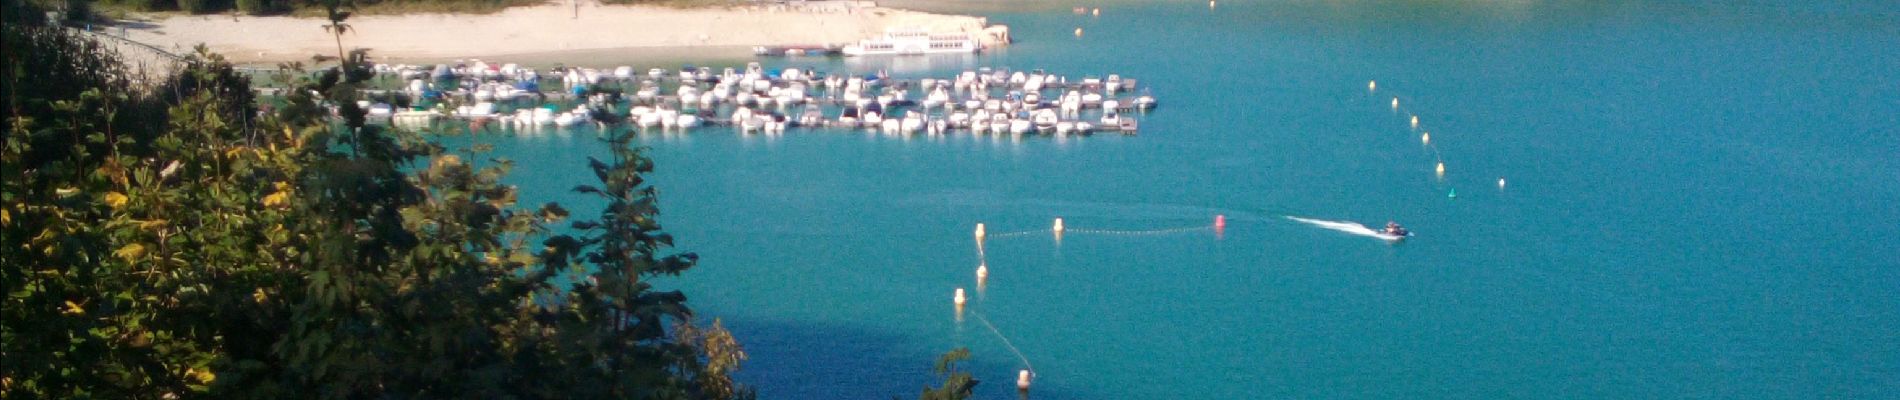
{"x": 913, "y": 42}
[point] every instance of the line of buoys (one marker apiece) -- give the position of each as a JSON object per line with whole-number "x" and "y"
{"x": 1425, "y": 138}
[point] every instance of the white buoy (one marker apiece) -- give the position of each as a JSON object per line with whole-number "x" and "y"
{"x": 1098, "y": 12}
{"x": 1441, "y": 169}
{"x": 1415, "y": 121}
{"x": 1395, "y": 103}
{"x": 1022, "y": 380}
{"x": 959, "y": 297}
{"x": 1210, "y": 4}
{"x": 1423, "y": 138}
{"x": 979, "y": 231}
{"x": 1078, "y": 32}
{"x": 1500, "y": 182}
{"x": 1372, "y": 85}
{"x": 982, "y": 272}
{"x": 1058, "y": 227}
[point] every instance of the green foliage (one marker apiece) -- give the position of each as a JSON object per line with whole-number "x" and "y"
{"x": 176, "y": 244}
{"x": 201, "y": 6}
{"x": 78, "y": 11}
{"x": 315, "y": 8}
{"x": 957, "y": 383}
{"x": 261, "y": 7}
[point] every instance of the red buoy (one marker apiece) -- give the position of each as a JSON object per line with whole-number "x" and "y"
{"x": 1220, "y": 221}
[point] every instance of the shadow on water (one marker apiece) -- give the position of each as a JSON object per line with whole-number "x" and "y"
{"x": 784, "y": 360}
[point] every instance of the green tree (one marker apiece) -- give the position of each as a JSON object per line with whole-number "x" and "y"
{"x": 171, "y": 243}
{"x": 957, "y": 383}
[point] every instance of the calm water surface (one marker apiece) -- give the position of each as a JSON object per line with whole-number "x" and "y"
{"x": 1701, "y": 202}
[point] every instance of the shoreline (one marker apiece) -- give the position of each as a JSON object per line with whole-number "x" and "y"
{"x": 542, "y": 32}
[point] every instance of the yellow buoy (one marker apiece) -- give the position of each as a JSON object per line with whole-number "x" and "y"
{"x": 1058, "y": 227}
{"x": 1424, "y": 138}
{"x": 1415, "y": 121}
{"x": 1441, "y": 169}
{"x": 1078, "y": 32}
{"x": 1372, "y": 85}
{"x": 1022, "y": 380}
{"x": 979, "y": 231}
{"x": 959, "y": 298}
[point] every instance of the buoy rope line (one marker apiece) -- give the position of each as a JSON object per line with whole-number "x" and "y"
{"x": 1005, "y": 339}
{"x": 1016, "y": 233}
{"x": 1142, "y": 232}
{"x": 1092, "y": 231}
{"x": 1401, "y": 107}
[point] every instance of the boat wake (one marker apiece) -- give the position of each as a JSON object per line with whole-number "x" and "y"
{"x": 1342, "y": 226}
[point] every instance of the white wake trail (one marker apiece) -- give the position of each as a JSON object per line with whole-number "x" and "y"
{"x": 1342, "y": 226}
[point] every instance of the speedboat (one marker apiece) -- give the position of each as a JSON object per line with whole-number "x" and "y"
{"x": 1393, "y": 232}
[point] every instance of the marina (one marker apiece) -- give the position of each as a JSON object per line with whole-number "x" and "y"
{"x": 756, "y": 100}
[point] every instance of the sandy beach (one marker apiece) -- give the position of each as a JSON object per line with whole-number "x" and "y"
{"x": 550, "y": 28}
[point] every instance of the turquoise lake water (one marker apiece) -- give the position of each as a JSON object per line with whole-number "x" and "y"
{"x": 1702, "y": 201}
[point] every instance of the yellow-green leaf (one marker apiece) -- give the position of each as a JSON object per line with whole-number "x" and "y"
{"x": 278, "y": 199}
{"x": 130, "y": 252}
{"x": 115, "y": 199}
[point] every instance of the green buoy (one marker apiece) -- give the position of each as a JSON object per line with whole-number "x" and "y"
{"x": 1453, "y": 194}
